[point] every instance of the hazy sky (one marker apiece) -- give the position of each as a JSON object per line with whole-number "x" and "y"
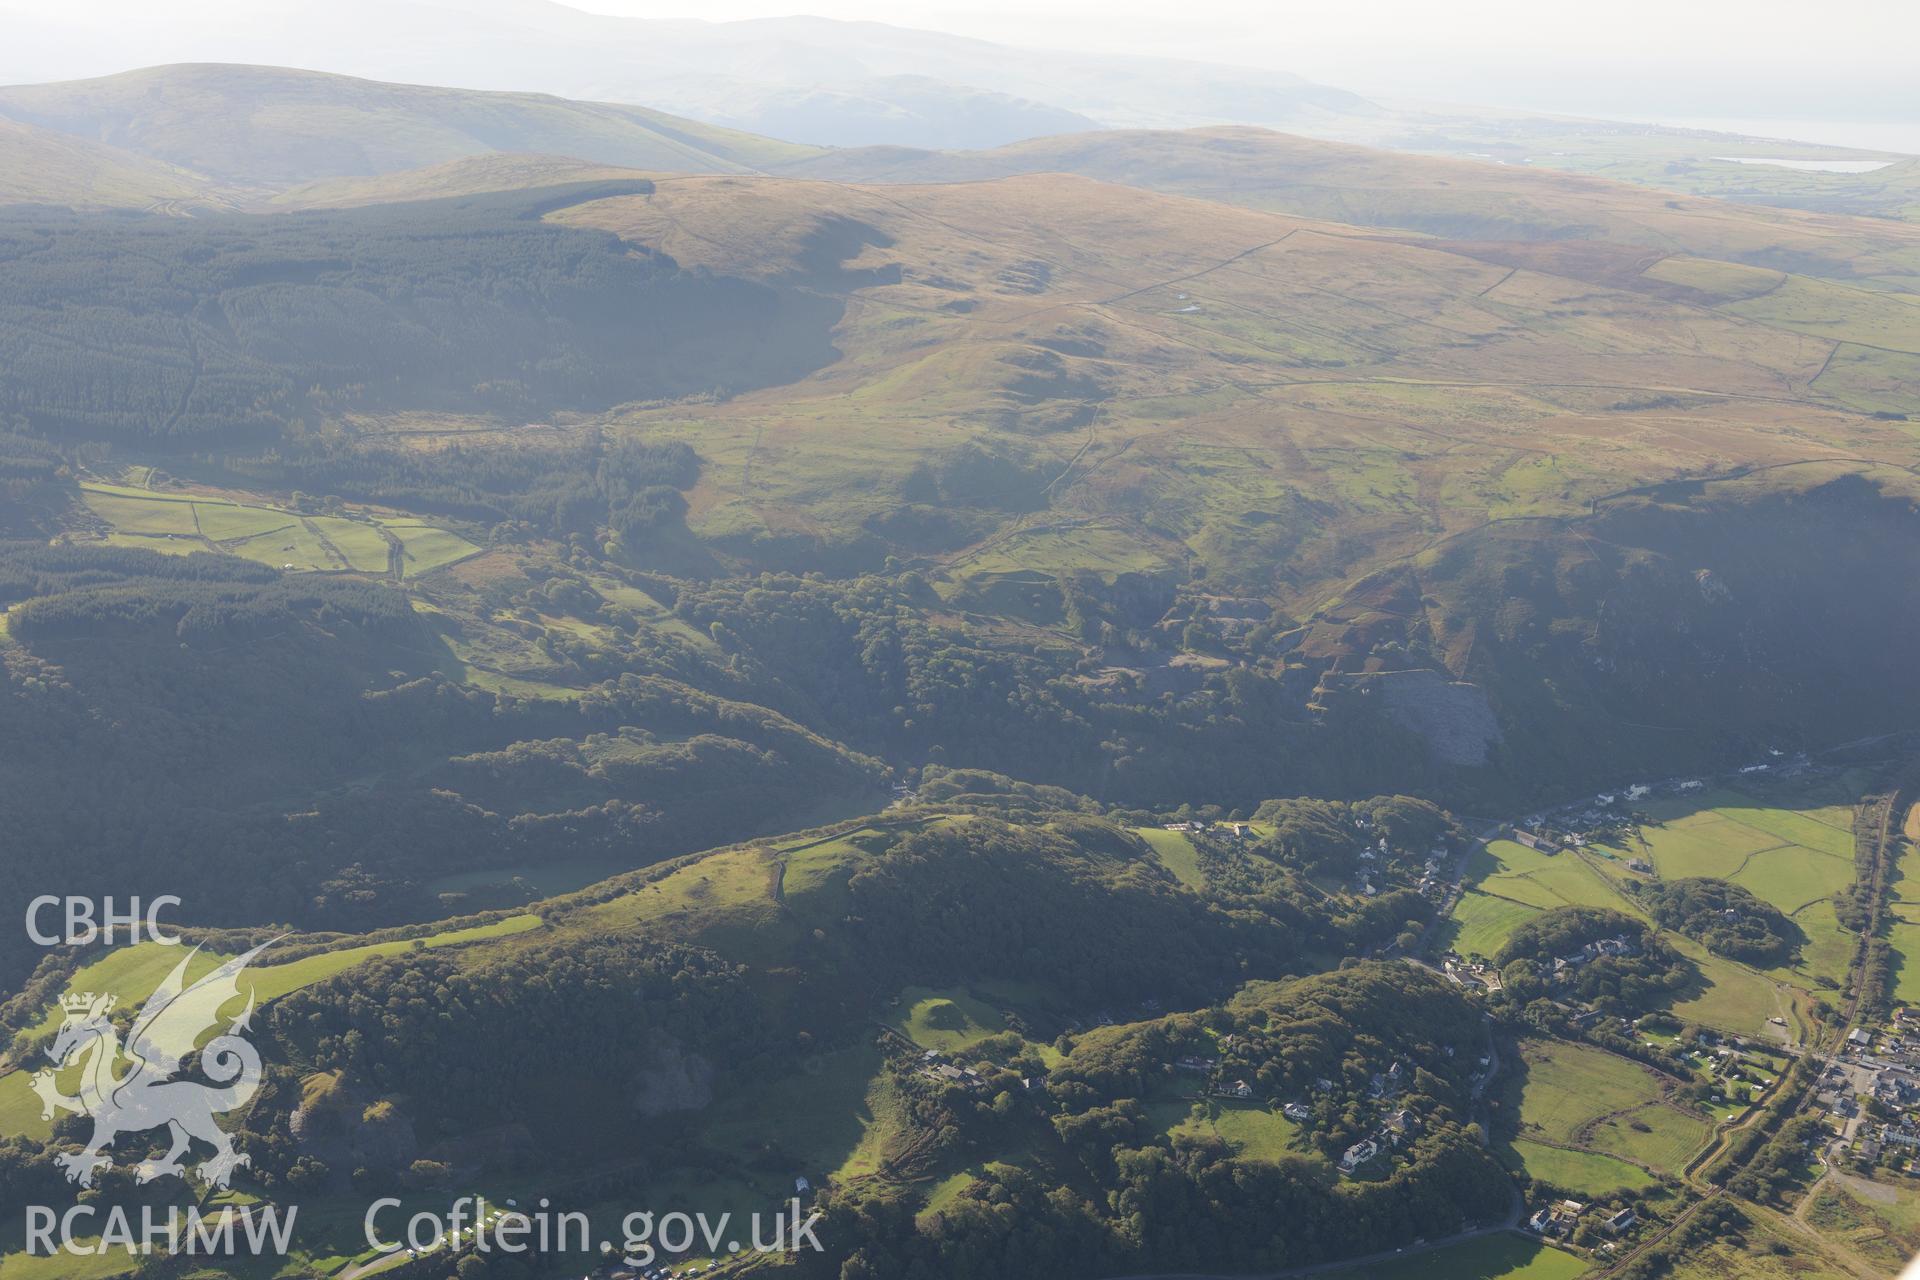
{"x": 1839, "y": 70}
{"x": 1845, "y": 59}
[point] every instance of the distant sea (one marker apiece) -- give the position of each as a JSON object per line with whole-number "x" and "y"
{"x": 1868, "y": 135}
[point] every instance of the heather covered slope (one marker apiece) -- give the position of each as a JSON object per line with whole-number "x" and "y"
{"x": 1283, "y": 400}
{"x": 42, "y": 166}
{"x": 1441, "y": 196}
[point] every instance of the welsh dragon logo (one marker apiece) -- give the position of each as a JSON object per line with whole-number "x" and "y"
{"x": 170, "y": 1024}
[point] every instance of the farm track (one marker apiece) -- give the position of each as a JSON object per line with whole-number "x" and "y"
{"x": 326, "y": 545}
{"x": 396, "y": 552}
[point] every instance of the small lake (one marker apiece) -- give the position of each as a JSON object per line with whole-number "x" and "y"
{"x": 1812, "y": 166}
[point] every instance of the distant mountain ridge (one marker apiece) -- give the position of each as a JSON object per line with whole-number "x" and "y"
{"x": 259, "y": 127}
{"x": 805, "y": 79}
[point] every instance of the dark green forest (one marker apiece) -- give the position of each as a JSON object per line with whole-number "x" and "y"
{"x": 1726, "y": 918}
{"x": 173, "y": 332}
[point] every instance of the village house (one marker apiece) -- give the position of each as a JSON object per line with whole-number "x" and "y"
{"x": 1896, "y": 1087}
{"x": 1556, "y": 1219}
{"x": 1191, "y": 1063}
{"x": 1297, "y": 1111}
{"x": 1358, "y": 1154}
{"x": 1621, "y": 1221}
{"x": 1900, "y": 1136}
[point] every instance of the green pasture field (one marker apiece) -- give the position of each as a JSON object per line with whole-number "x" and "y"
{"x": 725, "y": 900}
{"x": 424, "y": 548}
{"x": 142, "y": 514}
{"x": 1059, "y": 551}
{"x": 1708, "y": 845}
{"x": 950, "y": 1021}
{"x": 820, "y": 871}
{"x": 1586, "y": 1173}
{"x": 268, "y": 535}
{"x": 296, "y": 545}
{"x": 65, "y": 1266}
{"x": 1793, "y": 851}
{"x": 1542, "y": 880}
{"x": 1483, "y": 922}
{"x": 651, "y": 612}
{"x": 224, "y": 521}
{"x": 1828, "y": 829}
{"x": 734, "y": 878}
{"x": 1674, "y": 1136}
{"x": 832, "y": 1118}
{"x": 1871, "y": 380}
{"x": 1734, "y": 997}
{"x": 1502, "y": 1256}
{"x": 1828, "y": 950}
{"x": 20, "y": 1108}
{"x": 1727, "y": 281}
{"x": 1905, "y": 940}
{"x": 1839, "y": 312}
{"x": 1249, "y": 1128}
{"x": 1903, "y": 928}
{"x": 1569, "y": 1085}
{"x": 273, "y": 981}
{"x": 360, "y": 544}
{"x": 1176, "y": 853}
{"x": 1792, "y": 877}
{"x": 134, "y": 972}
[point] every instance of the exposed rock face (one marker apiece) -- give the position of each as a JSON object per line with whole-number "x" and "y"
{"x": 1451, "y": 715}
{"x": 346, "y": 1130}
{"x": 674, "y": 1081}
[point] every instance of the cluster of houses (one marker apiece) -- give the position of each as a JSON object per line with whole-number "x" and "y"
{"x": 1235, "y": 830}
{"x": 1397, "y": 1127}
{"x": 1600, "y": 817}
{"x": 1618, "y": 945}
{"x": 1374, "y": 860}
{"x": 1374, "y": 856}
{"x": 1900, "y": 1043}
{"x": 934, "y": 1066}
{"x": 1470, "y": 973}
{"x": 1559, "y": 1219}
{"x": 1888, "y": 1072}
{"x": 1432, "y": 884}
